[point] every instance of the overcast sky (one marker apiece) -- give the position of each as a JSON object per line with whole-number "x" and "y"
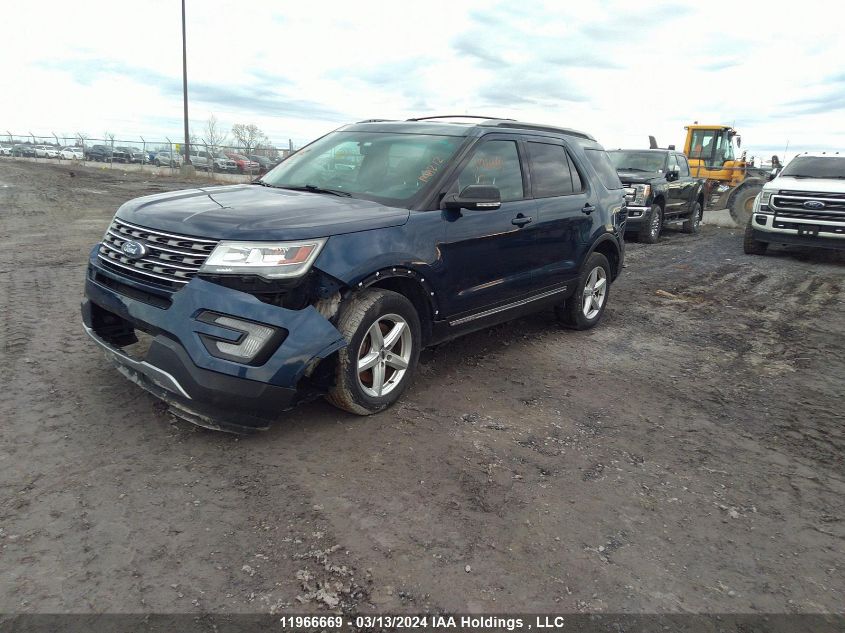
{"x": 619, "y": 70}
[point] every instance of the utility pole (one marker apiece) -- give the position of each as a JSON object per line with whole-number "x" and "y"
{"x": 185, "y": 89}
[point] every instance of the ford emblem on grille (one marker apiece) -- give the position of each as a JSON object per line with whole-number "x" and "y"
{"x": 133, "y": 249}
{"x": 813, "y": 204}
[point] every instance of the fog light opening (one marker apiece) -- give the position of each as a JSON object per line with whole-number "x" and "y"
{"x": 249, "y": 346}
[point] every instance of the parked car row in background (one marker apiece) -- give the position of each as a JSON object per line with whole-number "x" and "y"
{"x": 201, "y": 157}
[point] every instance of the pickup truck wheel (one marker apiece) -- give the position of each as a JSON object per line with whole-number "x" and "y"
{"x": 382, "y": 330}
{"x": 650, "y": 231}
{"x": 693, "y": 223}
{"x": 752, "y": 246}
{"x": 585, "y": 307}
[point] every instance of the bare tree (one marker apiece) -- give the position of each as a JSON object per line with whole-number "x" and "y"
{"x": 213, "y": 137}
{"x": 247, "y": 135}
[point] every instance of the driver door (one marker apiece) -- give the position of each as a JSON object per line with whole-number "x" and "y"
{"x": 488, "y": 255}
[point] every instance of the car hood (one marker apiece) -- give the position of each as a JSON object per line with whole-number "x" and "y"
{"x": 253, "y": 212}
{"x": 820, "y": 185}
{"x": 639, "y": 176}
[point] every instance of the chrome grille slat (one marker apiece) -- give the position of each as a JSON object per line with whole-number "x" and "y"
{"x": 170, "y": 258}
{"x": 189, "y": 238}
{"x": 111, "y": 262}
{"x": 155, "y": 245}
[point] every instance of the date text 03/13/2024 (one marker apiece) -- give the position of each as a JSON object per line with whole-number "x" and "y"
{"x": 428, "y": 622}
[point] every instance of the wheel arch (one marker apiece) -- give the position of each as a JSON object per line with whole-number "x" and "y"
{"x": 413, "y": 286}
{"x": 607, "y": 246}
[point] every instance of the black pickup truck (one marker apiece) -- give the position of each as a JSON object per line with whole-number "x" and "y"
{"x": 658, "y": 189}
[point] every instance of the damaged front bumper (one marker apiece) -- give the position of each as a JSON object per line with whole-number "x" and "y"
{"x": 181, "y": 365}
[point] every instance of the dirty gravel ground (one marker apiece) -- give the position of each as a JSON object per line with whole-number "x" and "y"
{"x": 685, "y": 456}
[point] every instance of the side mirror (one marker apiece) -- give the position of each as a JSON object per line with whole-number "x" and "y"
{"x": 673, "y": 174}
{"x": 476, "y": 198}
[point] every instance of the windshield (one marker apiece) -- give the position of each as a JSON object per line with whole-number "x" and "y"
{"x": 815, "y": 167}
{"x": 637, "y": 161}
{"x": 391, "y": 168}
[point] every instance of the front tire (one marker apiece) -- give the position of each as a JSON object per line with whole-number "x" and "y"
{"x": 382, "y": 330}
{"x": 650, "y": 231}
{"x": 752, "y": 246}
{"x": 693, "y": 224}
{"x": 585, "y": 307}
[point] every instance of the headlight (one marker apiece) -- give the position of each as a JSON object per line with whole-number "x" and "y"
{"x": 641, "y": 195}
{"x": 761, "y": 202}
{"x": 270, "y": 260}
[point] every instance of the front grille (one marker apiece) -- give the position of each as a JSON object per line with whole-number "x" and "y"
{"x": 171, "y": 260}
{"x": 790, "y": 204}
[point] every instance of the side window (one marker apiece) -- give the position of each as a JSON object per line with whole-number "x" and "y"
{"x": 495, "y": 163}
{"x": 702, "y": 144}
{"x": 683, "y": 164}
{"x": 672, "y": 164}
{"x": 601, "y": 163}
{"x": 550, "y": 174}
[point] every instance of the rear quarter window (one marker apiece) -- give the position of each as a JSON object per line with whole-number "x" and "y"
{"x": 601, "y": 163}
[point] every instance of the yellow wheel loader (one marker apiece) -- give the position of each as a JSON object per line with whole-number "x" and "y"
{"x": 730, "y": 182}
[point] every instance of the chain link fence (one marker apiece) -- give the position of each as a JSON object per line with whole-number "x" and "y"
{"x": 142, "y": 152}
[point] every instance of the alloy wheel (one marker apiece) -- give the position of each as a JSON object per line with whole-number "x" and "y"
{"x": 384, "y": 355}
{"x": 595, "y": 292}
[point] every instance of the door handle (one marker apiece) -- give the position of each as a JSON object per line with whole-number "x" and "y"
{"x": 588, "y": 209}
{"x": 522, "y": 220}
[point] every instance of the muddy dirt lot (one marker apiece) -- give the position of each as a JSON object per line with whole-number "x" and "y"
{"x": 686, "y": 455}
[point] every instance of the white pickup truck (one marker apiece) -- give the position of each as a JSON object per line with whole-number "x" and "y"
{"x": 804, "y": 205}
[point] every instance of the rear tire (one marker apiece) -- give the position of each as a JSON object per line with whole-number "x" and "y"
{"x": 752, "y": 246}
{"x": 650, "y": 231}
{"x": 593, "y": 286}
{"x": 382, "y": 330}
{"x": 693, "y": 224}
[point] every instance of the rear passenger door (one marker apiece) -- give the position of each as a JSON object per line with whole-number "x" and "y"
{"x": 674, "y": 201}
{"x": 563, "y": 208}
{"x": 687, "y": 183}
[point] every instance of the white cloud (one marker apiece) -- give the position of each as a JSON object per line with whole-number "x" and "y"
{"x": 619, "y": 70}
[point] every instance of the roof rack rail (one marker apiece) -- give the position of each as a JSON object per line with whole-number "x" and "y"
{"x": 376, "y": 120}
{"x": 460, "y": 116}
{"x": 510, "y": 123}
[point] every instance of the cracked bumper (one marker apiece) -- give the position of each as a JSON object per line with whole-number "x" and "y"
{"x": 178, "y": 368}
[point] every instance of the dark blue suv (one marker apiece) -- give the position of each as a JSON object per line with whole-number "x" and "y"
{"x": 329, "y": 274}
